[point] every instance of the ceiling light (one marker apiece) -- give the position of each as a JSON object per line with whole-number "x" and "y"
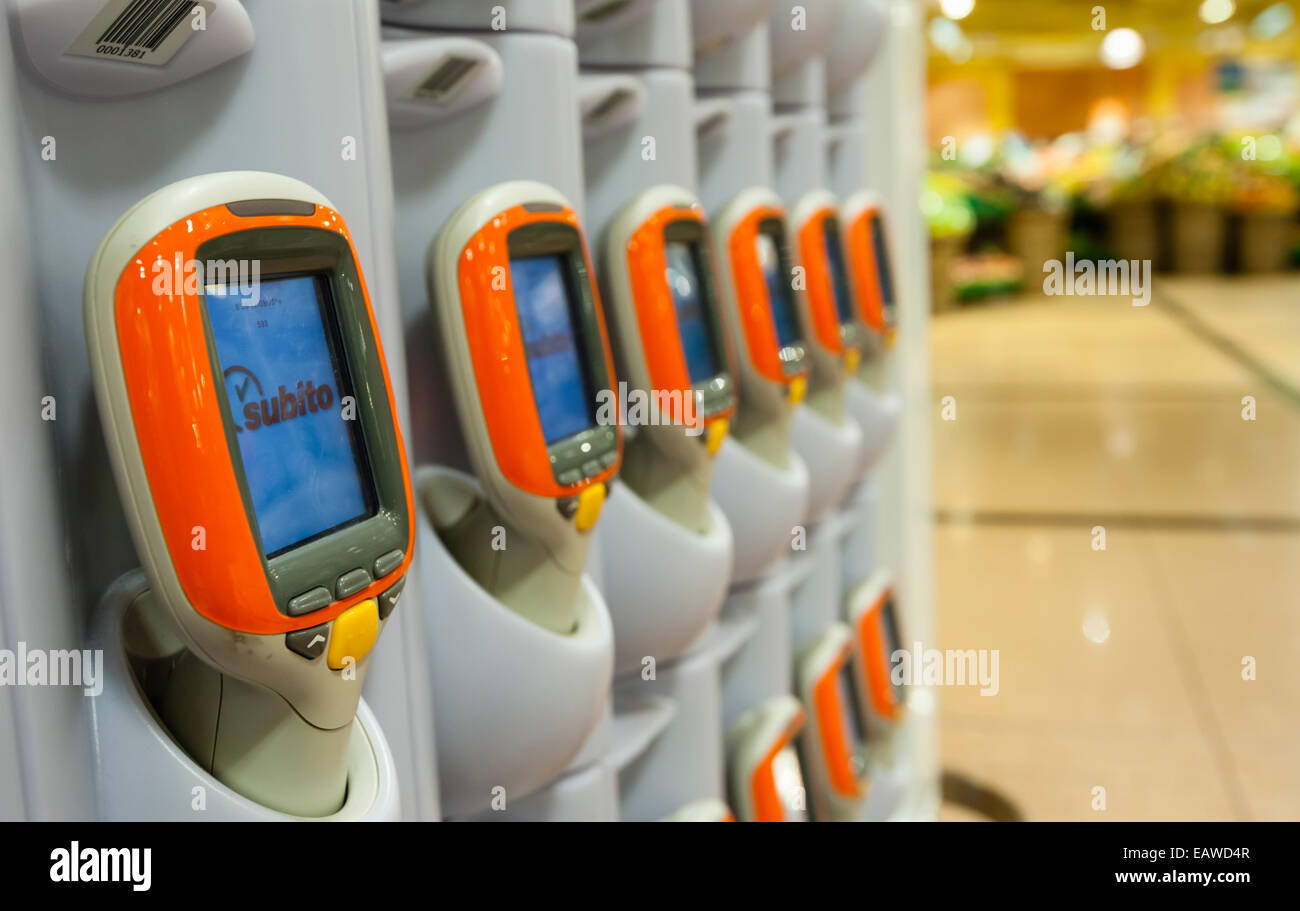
{"x": 1122, "y": 48}
{"x": 1215, "y": 11}
{"x": 956, "y": 9}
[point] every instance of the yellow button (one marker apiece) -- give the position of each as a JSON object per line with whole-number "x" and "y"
{"x": 798, "y": 386}
{"x": 353, "y": 634}
{"x": 851, "y": 360}
{"x": 589, "y": 503}
{"x": 717, "y": 433}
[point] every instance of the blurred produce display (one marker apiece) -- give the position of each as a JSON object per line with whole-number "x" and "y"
{"x": 1187, "y": 202}
{"x": 947, "y": 206}
{"x": 986, "y": 275}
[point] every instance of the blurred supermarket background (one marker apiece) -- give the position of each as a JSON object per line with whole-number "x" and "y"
{"x": 1161, "y": 669}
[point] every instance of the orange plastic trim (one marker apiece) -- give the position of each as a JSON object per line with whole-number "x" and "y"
{"x": 756, "y": 320}
{"x": 496, "y": 348}
{"x": 875, "y": 663}
{"x": 656, "y": 313}
{"x": 866, "y": 271}
{"x": 830, "y": 729}
{"x": 820, "y": 291}
{"x": 182, "y": 435}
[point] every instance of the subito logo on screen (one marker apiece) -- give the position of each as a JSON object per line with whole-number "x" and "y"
{"x": 260, "y": 410}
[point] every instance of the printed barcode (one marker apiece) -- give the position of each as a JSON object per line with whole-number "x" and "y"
{"x": 603, "y": 11}
{"x": 146, "y": 23}
{"x": 446, "y": 78}
{"x": 616, "y": 97}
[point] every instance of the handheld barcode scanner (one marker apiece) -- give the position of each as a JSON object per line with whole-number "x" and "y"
{"x": 670, "y": 349}
{"x": 250, "y": 423}
{"x": 876, "y": 638}
{"x": 764, "y": 776}
{"x": 830, "y": 313}
{"x": 867, "y": 249}
{"x": 832, "y": 743}
{"x": 528, "y": 361}
{"x": 761, "y": 313}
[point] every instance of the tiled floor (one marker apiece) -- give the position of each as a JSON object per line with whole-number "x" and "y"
{"x": 1122, "y": 668}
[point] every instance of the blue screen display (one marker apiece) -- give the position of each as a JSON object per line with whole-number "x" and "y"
{"x": 839, "y": 274}
{"x": 302, "y": 460}
{"x": 561, "y": 391}
{"x": 692, "y": 320}
{"x": 889, "y": 624}
{"x": 883, "y": 271}
{"x": 852, "y": 706}
{"x": 778, "y": 290}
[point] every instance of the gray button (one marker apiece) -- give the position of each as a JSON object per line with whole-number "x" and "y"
{"x": 388, "y": 562}
{"x": 388, "y": 600}
{"x": 351, "y": 582}
{"x": 572, "y": 476}
{"x": 310, "y": 642}
{"x": 609, "y": 458}
{"x": 591, "y": 468}
{"x": 309, "y": 601}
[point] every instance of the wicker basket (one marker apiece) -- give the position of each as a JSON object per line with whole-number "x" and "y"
{"x": 1134, "y": 231}
{"x": 1197, "y": 234}
{"x": 1035, "y": 236}
{"x": 1264, "y": 241}
{"x": 943, "y": 253}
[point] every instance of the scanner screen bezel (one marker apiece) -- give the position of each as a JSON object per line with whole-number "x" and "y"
{"x": 584, "y": 452}
{"x": 714, "y": 392}
{"x": 318, "y": 561}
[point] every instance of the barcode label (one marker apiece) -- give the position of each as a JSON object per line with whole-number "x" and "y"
{"x": 447, "y": 79}
{"x": 608, "y": 105}
{"x": 141, "y": 31}
{"x": 603, "y": 11}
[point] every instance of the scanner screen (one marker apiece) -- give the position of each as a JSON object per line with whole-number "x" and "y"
{"x": 889, "y": 626}
{"x": 302, "y": 457}
{"x": 839, "y": 273}
{"x": 778, "y": 290}
{"x": 692, "y": 319}
{"x": 544, "y": 299}
{"x": 883, "y": 270}
{"x": 848, "y": 687}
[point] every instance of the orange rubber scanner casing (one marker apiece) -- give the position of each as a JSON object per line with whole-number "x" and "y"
{"x": 762, "y": 784}
{"x": 871, "y": 639}
{"x": 168, "y": 369}
{"x": 817, "y": 274}
{"x": 830, "y": 711}
{"x": 496, "y": 348}
{"x": 656, "y": 312}
{"x": 866, "y": 271}
{"x": 756, "y": 319}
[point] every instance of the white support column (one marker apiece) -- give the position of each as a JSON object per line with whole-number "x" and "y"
{"x": 897, "y": 160}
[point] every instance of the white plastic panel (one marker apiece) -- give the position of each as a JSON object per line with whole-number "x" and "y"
{"x": 655, "y": 33}
{"x": 738, "y": 156}
{"x": 800, "y": 30}
{"x": 855, "y": 44}
{"x": 554, "y": 16}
